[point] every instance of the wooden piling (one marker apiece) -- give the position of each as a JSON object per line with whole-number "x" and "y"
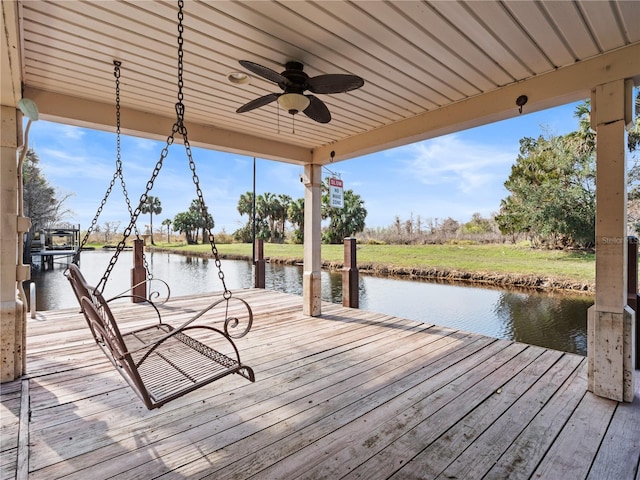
{"x": 259, "y": 265}
{"x": 138, "y": 273}
{"x": 350, "y": 293}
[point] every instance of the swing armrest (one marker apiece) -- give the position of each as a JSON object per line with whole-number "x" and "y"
{"x": 153, "y": 294}
{"x": 229, "y": 322}
{"x": 140, "y": 300}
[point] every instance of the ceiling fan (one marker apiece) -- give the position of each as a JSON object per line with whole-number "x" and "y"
{"x": 293, "y": 81}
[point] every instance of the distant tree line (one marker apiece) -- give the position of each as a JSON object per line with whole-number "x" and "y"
{"x": 274, "y": 211}
{"x": 419, "y": 230}
{"x": 551, "y": 202}
{"x": 273, "y": 214}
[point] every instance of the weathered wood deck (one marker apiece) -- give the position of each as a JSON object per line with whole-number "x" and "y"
{"x": 352, "y": 394}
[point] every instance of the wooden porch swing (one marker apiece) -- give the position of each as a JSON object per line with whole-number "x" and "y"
{"x": 161, "y": 362}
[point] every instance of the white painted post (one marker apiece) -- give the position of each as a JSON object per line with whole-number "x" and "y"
{"x": 32, "y": 299}
{"x": 610, "y": 322}
{"x": 311, "y": 285}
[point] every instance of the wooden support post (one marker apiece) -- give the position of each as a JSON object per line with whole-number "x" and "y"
{"x": 311, "y": 284}
{"x": 350, "y": 290}
{"x": 259, "y": 265}
{"x": 610, "y": 321}
{"x": 138, "y": 273}
{"x": 632, "y": 288}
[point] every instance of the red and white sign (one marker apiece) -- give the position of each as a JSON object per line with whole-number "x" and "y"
{"x": 336, "y": 193}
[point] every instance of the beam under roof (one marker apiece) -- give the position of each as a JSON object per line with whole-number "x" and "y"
{"x": 545, "y": 91}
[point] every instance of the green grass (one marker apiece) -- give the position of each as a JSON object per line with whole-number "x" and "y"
{"x": 511, "y": 259}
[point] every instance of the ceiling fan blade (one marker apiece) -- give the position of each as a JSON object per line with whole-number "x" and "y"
{"x": 334, "y": 83}
{"x": 265, "y": 72}
{"x": 258, "y": 102}
{"x": 317, "y": 110}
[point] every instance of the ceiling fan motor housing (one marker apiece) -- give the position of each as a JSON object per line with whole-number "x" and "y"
{"x": 297, "y": 78}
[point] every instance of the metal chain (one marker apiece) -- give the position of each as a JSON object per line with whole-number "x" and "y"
{"x": 178, "y": 127}
{"x": 180, "y": 59}
{"x": 182, "y": 129}
{"x": 204, "y": 212}
{"x": 136, "y": 213}
{"x": 119, "y": 164}
{"x": 116, "y": 174}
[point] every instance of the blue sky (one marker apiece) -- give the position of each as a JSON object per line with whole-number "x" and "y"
{"x": 451, "y": 176}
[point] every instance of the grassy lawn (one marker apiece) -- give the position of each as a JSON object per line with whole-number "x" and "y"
{"x": 510, "y": 259}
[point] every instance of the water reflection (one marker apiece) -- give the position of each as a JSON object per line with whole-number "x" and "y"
{"x": 536, "y": 316}
{"x": 554, "y": 321}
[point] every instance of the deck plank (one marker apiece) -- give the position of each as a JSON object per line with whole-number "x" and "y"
{"x": 288, "y": 382}
{"x": 263, "y": 449}
{"x": 432, "y": 461}
{"x": 350, "y": 394}
{"x": 572, "y": 452}
{"x": 485, "y": 451}
{"x": 267, "y": 399}
{"x": 10, "y": 399}
{"x": 523, "y": 455}
{"x": 10, "y": 402}
{"x": 433, "y": 415}
{"x": 620, "y": 446}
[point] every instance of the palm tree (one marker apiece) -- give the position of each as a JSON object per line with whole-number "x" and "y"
{"x": 151, "y": 206}
{"x": 295, "y": 213}
{"x": 245, "y": 204}
{"x": 343, "y": 222}
{"x": 268, "y": 207}
{"x": 167, "y": 222}
{"x": 284, "y": 201}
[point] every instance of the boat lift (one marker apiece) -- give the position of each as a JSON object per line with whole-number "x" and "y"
{"x": 55, "y": 244}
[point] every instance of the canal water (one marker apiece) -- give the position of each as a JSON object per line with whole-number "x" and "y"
{"x": 555, "y": 321}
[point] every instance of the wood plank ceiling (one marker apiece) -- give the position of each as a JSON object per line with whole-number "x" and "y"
{"x": 417, "y": 59}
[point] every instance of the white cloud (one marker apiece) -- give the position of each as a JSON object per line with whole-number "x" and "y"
{"x": 68, "y": 132}
{"x": 464, "y": 165}
{"x": 144, "y": 144}
{"x": 65, "y": 164}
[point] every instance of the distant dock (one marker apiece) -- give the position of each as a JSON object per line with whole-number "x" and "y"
{"x": 47, "y": 258}
{"x": 58, "y": 244}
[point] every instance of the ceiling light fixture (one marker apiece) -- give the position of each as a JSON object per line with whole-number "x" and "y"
{"x": 238, "y": 78}
{"x": 293, "y": 102}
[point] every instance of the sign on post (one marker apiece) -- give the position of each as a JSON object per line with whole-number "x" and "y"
{"x": 336, "y": 194}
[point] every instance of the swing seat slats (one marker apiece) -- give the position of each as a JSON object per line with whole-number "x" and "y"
{"x": 160, "y": 362}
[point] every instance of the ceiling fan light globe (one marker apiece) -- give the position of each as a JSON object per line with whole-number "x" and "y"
{"x": 293, "y": 102}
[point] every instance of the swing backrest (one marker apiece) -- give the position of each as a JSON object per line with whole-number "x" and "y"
{"x": 112, "y": 343}
{"x": 100, "y": 319}
{"x": 78, "y": 282}
{"x": 105, "y": 330}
